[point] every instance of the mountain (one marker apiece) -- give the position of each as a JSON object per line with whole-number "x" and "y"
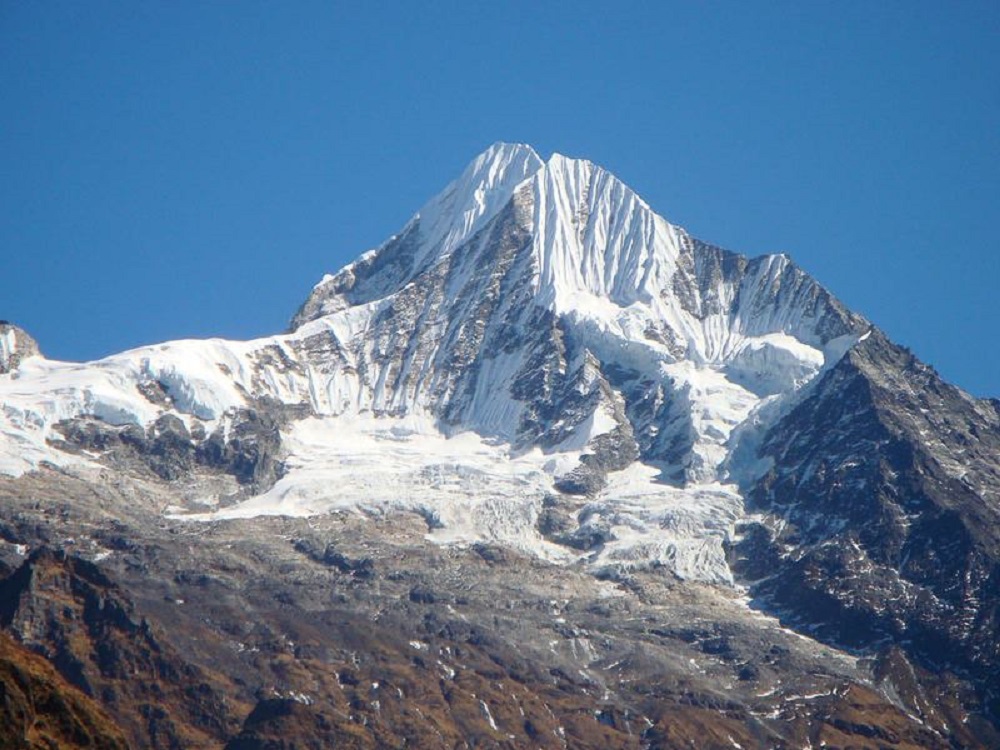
{"x": 538, "y": 382}
{"x": 543, "y": 312}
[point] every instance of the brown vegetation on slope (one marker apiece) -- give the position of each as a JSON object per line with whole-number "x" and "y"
{"x": 39, "y": 710}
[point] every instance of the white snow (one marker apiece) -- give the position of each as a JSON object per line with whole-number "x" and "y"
{"x": 489, "y": 716}
{"x": 653, "y": 522}
{"x": 481, "y": 191}
{"x": 471, "y": 488}
{"x": 204, "y": 378}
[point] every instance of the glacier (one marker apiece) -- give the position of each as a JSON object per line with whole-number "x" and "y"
{"x": 537, "y": 359}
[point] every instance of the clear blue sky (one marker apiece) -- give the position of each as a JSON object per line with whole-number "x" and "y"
{"x": 185, "y": 169}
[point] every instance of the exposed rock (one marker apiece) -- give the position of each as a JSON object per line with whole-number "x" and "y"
{"x": 885, "y": 483}
{"x": 249, "y": 449}
{"x": 329, "y": 555}
{"x": 15, "y": 346}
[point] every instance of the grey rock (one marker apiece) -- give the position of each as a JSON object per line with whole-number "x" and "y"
{"x": 15, "y": 346}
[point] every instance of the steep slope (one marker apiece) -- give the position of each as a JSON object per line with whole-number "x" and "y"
{"x": 70, "y": 612}
{"x": 880, "y": 517}
{"x": 39, "y": 709}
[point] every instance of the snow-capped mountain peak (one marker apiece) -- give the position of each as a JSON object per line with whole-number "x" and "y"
{"x": 486, "y": 185}
{"x": 536, "y": 361}
{"x": 441, "y": 225}
{"x": 578, "y": 342}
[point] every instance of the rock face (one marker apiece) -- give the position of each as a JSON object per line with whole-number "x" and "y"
{"x": 542, "y": 470}
{"x": 15, "y": 346}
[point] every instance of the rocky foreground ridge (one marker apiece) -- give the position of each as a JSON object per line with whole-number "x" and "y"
{"x": 540, "y": 471}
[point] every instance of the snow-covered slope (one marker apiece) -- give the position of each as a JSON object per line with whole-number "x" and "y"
{"x": 537, "y": 358}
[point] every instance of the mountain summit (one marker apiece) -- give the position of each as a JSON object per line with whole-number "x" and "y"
{"x": 547, "y": 380}
{"x": 542, "y": 311}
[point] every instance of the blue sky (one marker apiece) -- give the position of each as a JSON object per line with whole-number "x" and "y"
{"x": 191, "y": 169}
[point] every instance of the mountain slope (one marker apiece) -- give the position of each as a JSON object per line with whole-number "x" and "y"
{"x": 67, "y": 610}
{"x": 39, "y": 709}
{"x": 882, "y": 505}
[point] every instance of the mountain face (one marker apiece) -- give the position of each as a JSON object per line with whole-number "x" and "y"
{"x": 541, "y": 310}
{"x": 539, "y": 379}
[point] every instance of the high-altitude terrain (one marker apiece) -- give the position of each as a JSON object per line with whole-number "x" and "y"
{"x": 542, "y": 470}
